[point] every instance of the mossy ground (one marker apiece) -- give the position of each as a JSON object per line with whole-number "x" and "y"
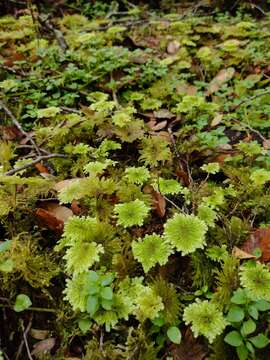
{"x": 118, "y": 123}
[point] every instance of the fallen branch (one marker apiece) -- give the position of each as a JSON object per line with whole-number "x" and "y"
{"x": 35, "y": 161}
{"x": 18, "y": 125}
{"x": 57, "y": 33}
{"x": 233, "y": 108}
{"x": 25, "y": 333}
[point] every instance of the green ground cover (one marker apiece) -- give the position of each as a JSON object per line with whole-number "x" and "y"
{"x": 134, "y": 184}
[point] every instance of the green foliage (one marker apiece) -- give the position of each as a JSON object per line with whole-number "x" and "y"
{"x": 150, "y": 250}
{"x": 255, "y": 278}
{"x": 131, "y": 213}
{"x": 22, "y": 303}
{"x": 185, "y": 232}
{"x": 206, "y": 319}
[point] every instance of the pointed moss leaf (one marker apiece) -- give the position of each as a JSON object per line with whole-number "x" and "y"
{"x": 234, "y": 338}
{"x": 260, "y": 341}
{"x": 84, "y": 325}
{"x": 106, "y": 304}
{"x": 235, "y": 314}
{"x": 174, "y": 334}
{"x": 253, "y": 312}
{"x": 131, "y": 213}
{"x": 92, "y": 305}
{"x": 106, "y": 293}
{"x": 22, "y": 303}
{"x": 262, "y": 305}
{"x": 242, "y": 352}
{"x": 239, "y": 297}
{"x": 248, "y": 327}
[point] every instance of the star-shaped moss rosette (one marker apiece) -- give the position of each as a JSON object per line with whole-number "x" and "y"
{"x": 186, "y": 233}
{"x": 81, "y": 256}
{"x": 150, "y": 250}
{"x": 256, "y": 280}
{"x": 205, "y": 318}
{"x": 131, "y": 213}
{"x": 137, "y": 175}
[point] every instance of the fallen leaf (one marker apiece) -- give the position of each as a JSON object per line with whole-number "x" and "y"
{"x": 159, "y": 201}
{"x": 241, "y": 254}
{"x": 189, "y": 348}
{"x": 221, "y": 78}
{"x": 217, "y": 120}
{"x": 63, "y": 184}
{"x": 158, "y": 126}
{"x": 266, "y": 144}
{"x": 183, "y": 176}
{"x": 39, "y": 334}
{"x": 75, "y": 207}
{"x": 43, "y": 347}
{"x": 259, "y": 238}
{"x": 172, "y": 47}
{"x": 186, "y": 89}
{"x": 52, "y": 215}
{"x": 10, "y": 132}
{"x": 163, "y": 114}
{"x": 41, "y": 168}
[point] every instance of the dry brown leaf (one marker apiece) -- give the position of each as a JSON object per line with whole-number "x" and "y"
{"x": 241, "y": 254}
{"x": 221, "y": 78}
{"x": 159, "y": 126}
{"x": 39, "y": 334}
{"x": 41, "y": 168}
{"x": 43, "y": 347}
{"x": 63, "y": 184}
{"x": 159, "y": 201}
{"x": 10, "y": 132}
{"x": 52, "y": 215}
{"x": 163, "y": 114}
{"x": 189, "y": 349}
{"x": 172, "y": 47}
{"x": 259, "y": 238}
{"x": 217, "y": 120}
{"x": 266, "y": 144}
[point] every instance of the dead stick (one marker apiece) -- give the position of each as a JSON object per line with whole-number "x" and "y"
{"x": 25, "y": 333}
{"x": 18, "y": 125}
{"x": 233, "y": 108}
{"x": 35, "y": 161}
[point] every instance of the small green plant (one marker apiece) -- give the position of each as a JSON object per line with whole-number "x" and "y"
{"x": 244, "y": 315}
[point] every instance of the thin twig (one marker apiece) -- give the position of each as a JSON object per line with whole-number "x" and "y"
{"x": 233, "y": 108}
{"x": 35, "y": 161}
{"x": 250, "y": 128}
{"x": 57, "y": 33}
{"x": 18, "y": 125}
{"x": 70, "y": 110}
{"x": 25, "y": 333}
{"x": 32, "y": 308}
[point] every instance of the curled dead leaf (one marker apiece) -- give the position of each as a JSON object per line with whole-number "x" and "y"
{"x": 221, "y": 78}
{"x": 241, "y": 254}
{"x": 217, "y": 120}
{"x": 39, "y": 334}
{"x": 172, "y": 47}
{"x": 52, "y": 215}
{"x": 43, "y": 347}
{"x": 259, "y": 239}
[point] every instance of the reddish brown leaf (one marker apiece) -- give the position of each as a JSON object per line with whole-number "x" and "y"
{"x": 259, "y": 238}
{"x": 75, "y": 207}
{"x": 41, "y": 168}
{"x": 52, "y": 215}
{"x": 183, "y": 176}
{"x": 43, "y": 346}
{"x": 10, "y": 132}
{"x": 159, "y": 202}
{"x": 189, "y": 349}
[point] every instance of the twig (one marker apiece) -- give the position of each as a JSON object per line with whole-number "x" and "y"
{"x": 233, "y": 108}
{"x": 35, "y": 161}
{"x": 250, "y": 128}
{"x": 25, "y": 333}
{"x": 70, "y": 110}
{"x": 57, "y": 33}
{"x": 18, "y": 125}
{"x": 32, "y": 308}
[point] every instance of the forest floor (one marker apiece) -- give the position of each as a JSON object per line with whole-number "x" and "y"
{"x": 134, "y": 184}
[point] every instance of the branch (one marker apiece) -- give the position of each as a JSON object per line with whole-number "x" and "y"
{"x": 57, "y": 33}
{"x": 18, "y": 125}
{"x": 25, "y": 333}
{"x": 233, "y": 108}
{"x": 35, "y": 161}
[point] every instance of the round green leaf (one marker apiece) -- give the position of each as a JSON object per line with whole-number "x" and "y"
{"x": 234, "y": 338}
{"x": 262, "y": 305}
{"x": 253, "y": 312}
{"x": 106, "y": 304}
{"x": 92, "y": 305}
{"x": 84, "y": 325}
{"x": 242, "y": 352}
{"x": 174, "y": 334}
{"x": 260, "y": 341}
{"x": 239, "y": 297}
{"x": 235, "y": 314}
{"x": 248, "y": 327}
{"x": 7, "y": 265}
{"x": 107, "y": 293}
{"x": 22, "y": 303}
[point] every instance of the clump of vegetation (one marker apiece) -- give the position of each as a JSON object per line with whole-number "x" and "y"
{"x": 134, "y": 181}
